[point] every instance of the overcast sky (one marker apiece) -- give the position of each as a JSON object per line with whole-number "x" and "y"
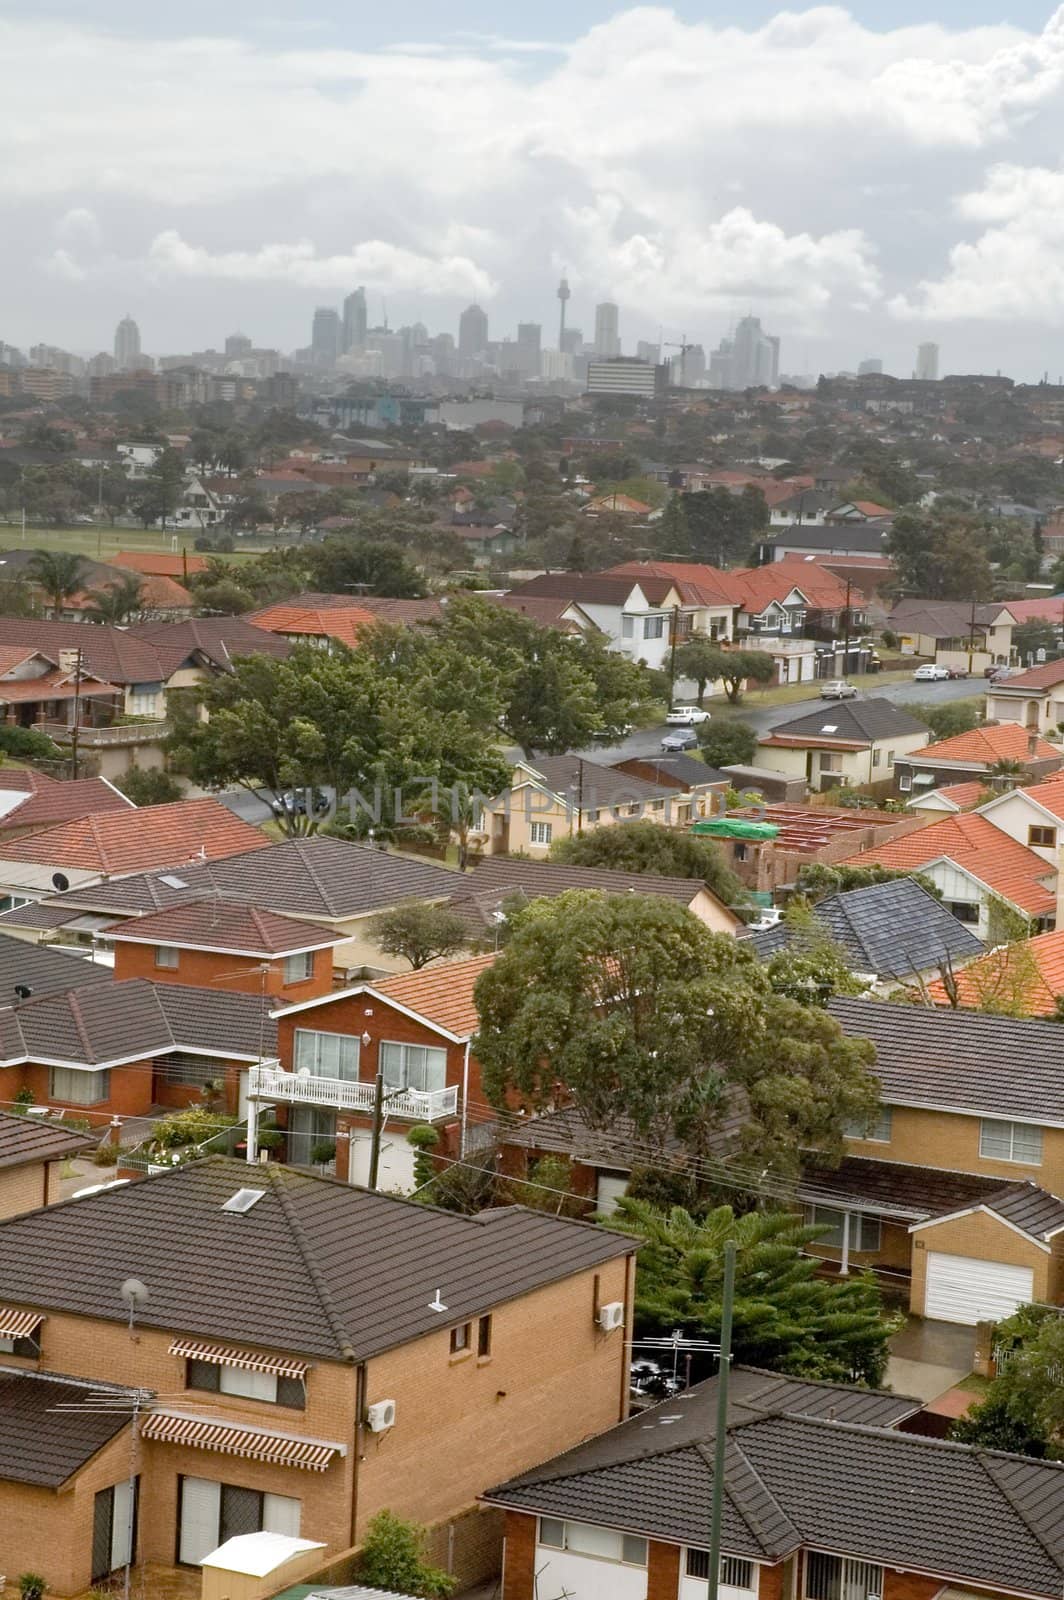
{"x": 862, "y": 178}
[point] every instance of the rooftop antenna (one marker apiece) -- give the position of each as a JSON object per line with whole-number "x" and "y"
{"x": 437, "y": 1304}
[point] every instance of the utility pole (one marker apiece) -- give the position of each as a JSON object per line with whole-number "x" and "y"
{"x": 971, "y": 636}
{"x": 77, "y": 714}
{"x": 378, "y": 1128}
{"x": 720, "y": 1443}
{"x": 846, "y": 635}
{"x": 674, "y": 636}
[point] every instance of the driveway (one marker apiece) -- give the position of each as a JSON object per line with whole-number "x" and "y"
{"x": 927, "y": 1358}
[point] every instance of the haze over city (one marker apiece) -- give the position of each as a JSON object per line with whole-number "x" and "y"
{"x": 863, "y": 181}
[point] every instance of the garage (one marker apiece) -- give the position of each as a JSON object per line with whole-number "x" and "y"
{"x": 611, "y": 1186}
{"x": 965, "y": 1290}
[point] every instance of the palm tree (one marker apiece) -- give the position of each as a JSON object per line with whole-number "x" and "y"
{"x": 119, "y": 602}
{"x": 58, "y": 573}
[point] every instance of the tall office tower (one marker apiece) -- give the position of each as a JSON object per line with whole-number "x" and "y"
{"x": 755, "y": 356}
{"x": 101, "y": 366}
{"x": 871, "y": 367}
{"x": 472, "y": 333}
{"x": 927, "y": 362}
{"x": 529, "y": 344}
{"x": 127, "y": 343}
{"x": 695, "y": 363}
{"x": 722, "y": 365}
{"x": 238, "y": 344}
{"x": 355, "y": 321}
{"x": 563, "y": 297}
{"x": 325, "y": 337}
{"x": 572, "y": 341}
{"x": 607, "y": 337}
{"x": 645, "y": 351}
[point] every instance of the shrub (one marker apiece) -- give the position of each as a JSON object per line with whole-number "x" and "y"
{"x": 22, "y": 1100}
{"x": 149, "y": 786}
{"x": 323, "y": 1152}
{"x": 393, "y": 1558}
{"x": 105, "y": 1155}
{"x": 424, "y": 1140}
{"x": 193, "y": 1126}
{"x": 31, "y": 1586}
{"x": 26, "y": 744}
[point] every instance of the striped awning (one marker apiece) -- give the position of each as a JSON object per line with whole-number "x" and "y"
{"x": 254, "y": 1444}
{"x": 224, "y": 1355}
{"x": 18, "y": 1324}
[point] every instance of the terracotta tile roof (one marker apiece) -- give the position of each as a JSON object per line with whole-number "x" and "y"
{"x": 963, "y": 795}
{"x": 973, "y": 843}
{"x": 13, "y": 655}
{"x": 113, "y": 844}
{"x": 51, "y": 800}
{"x": 997, "y": 741}
{"x": 1001, "y": 975}
{"x": 161, "y": 564}
{"x": 623, "y": 503}
{"x": 1051, "y": 609}
{"x": 870, "y": 508}
{"x": 1047, "y": 676}
{"x": 210, "y": 924}
{"x": 757, "y": 587}
{"x": 57, "y": 685}
{"x": 442, "y": 994}
{"x": 1049, "y": 793}
{"x": 341, "y": 617}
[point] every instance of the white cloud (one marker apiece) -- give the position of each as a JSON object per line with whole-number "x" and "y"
{"x": 78, "y": 226}
{"x": 62, "y": 266}
{"x": 380, "y": 265}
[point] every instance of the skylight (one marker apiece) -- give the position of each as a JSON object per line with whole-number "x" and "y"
{"x": 172, "y": 881}
{"x": 243, "y": 1200}
{"x": 829, "y": 727}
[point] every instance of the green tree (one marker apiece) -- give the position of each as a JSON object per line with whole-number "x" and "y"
{"x": 648, "y": 847}
{"x": 1023, "y": 1409}
{"x": 642, "y": 1014}
{"x": 58, "y": 573}
{"x": 1030, "y": 637}
{"x": 117, "y": 603}
{"x": 944, "y": 721}
{"x": 345, "y": 562}
{"x": 149, "y": 786}
{"x": 739, "y": 668}
{"x": 816, "y": 879}
{"x": 393, "y": 1558}
{"x": 727, "y": 744}
{"x": 785, "y": 1317}
{"x": 163, "y": 488}
{"x": 723, "y": 526}
{"x": 699, "y": 659}
{"x": 419, "y": 932}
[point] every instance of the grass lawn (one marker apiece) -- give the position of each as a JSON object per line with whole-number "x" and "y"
{"x": 104, "y": 542}
{"x": 790, "y": 693}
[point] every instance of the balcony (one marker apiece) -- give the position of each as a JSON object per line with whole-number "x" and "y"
{"x": 301, "y": 1089}
{"x": 114, "y": 736}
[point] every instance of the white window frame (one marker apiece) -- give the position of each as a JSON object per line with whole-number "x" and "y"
{"x": 851, "y": 1579}
{"x": 864, "y": 1229}
{"x": 309, "y": 1048}
{"x": 396, "y": 1069}
{"x": 79, "y": 1088}
{"x": 736, "y": 1572}
{"x": 540, "y": 832}
{"x": 627, "y": 627}
{"x": 1016, "y": 1133}
{"x": 299, "y": 967}
{"x": 168, "y": 957}
{"x": 202, "y": 1531}
{"x": 877, "y": 1132}
{"x": 654, "y": 627}
{"x": 576, "y": 1536}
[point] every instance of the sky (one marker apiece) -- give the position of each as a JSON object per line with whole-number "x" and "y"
{"x": 862, "y": 178}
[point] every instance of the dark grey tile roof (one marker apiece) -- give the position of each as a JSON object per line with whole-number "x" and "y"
{"x": 44, "y": 970}
{"x": 1026, "y": 1206}
{"x": 685, "y": 770}
{"x": 838, "y": 538}
{"x": 324, "y": 1269}
{"x": 103, "y": 1023}
{"x": 596, "y": 784}
{"x": 961, "y": 1060}
{"x": 892, "y": 1188}
{"x": 794, "y": 1477}
{"x": 620, "y": 1146}
{"x": 40, "y": 1444}
{"x": 866, "y": 720}
{"x": 315, "y": 877}
{"x": 25, "y": 1138}
{"x": 893, "y": 929}
{"x": 497, "y": 879}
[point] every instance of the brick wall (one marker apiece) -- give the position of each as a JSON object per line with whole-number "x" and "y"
{"x": 205, "y": 969}
{"x": 663, "y": 1570}
{"x": 50, "y": 1531}
{"x": 983, "y": 1238}
{"x": 26, "y": 1187}
{"x": 519, "y": 1565}
{"x": 910, "y": 1586}
{"x": 951, "y": 1143}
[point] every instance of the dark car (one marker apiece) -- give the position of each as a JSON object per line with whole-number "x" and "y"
{"x": 301, "y": 803}
{"x": 680, "y": 739}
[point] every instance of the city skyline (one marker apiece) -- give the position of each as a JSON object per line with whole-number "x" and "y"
{"x": 922, "y": 210}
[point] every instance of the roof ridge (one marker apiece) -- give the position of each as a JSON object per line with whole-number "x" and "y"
{"x": 79, "y": 1022}
{"x": 733, "y": 1445}
{"x": 308, "y": 866}
{"x": 985, "y": 1459}
{"x": 277, "y": 1180}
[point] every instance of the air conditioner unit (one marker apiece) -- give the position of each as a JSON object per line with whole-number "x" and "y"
{"x": 380, "y": 1417}
{"x": 611, "y": 1316}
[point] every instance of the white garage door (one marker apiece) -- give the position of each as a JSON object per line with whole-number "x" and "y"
{"x": 611, "y": 1186}
{"x": 960, "y": 1289}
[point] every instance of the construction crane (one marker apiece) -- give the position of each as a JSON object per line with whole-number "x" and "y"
{"x": 683, "y": 347}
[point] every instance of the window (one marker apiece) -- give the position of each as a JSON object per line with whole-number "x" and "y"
{"x": 413, "y": 1066}
{"x": 583, "y": 1538}
{"x": 540, "y": 832}
{"x": 890, "y": 758}
{"x": 1010, "y": 1141}
{"x": 167, "y": 955}
{"x": 877, "y": 756}
{"x": 905, "y": 781}
{"x": 210, "y": 1513}
{"x": 627, "y": 627}
{"x": 219, "y": 1379}
{"x": 1045, "y": 838}
{"x": 840, "y": 1578}
{"x": 180, "y": 1067}
{"x": 484, "y": 1338}
{"x": 864, "y": 1230}
{"x": 460, "y": 1339}
{"x": 114, "y": 1532}
{"x": 591, "y": 816}
{"x": 963, "y": 910}
{"x": 734, "y": 1570}
{"x": 144, "y": 699}
{"x": 78, "y": 1088}
{"x": 298, "y": 968}
{"x": 327, "y": 1055}
{"x": 653, "y": 627}
{"x": 878, "y": 1129}
{"x": 27, "y": 1345}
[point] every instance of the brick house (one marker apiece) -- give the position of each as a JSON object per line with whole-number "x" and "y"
{"x": 823, "y": 1499}
{"x": 314, "y": 1353}
{"x": 970, "y": 757}
{"x": 32, "y": 1153}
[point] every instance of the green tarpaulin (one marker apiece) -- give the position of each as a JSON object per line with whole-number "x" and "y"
{"x": 735, "y": 828}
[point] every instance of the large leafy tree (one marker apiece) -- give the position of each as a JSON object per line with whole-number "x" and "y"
{"x": 418, "y": 932}
{"x": 728, "y": 744}
{"x": 630, "y": 1006}
{"x": 344, "y": 563}
{"x": 59, "y": 573}
{"x": 119, "y": 602}
{"x": 648, "y": 847}
{"x": 163, "y": 488}
{"x": 785, "y": 1317}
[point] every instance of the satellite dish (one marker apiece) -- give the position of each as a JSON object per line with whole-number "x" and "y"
{"x": 60, "y": 881}
{"x": 22, "y": 991}
{"x": 134, "y": 1293}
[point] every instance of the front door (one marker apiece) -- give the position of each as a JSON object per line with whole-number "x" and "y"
{"x": 114, "y": 1532}
{"x": 309, "y": 1126}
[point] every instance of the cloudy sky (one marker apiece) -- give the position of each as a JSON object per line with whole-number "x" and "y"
{"x": 861, "y": 178}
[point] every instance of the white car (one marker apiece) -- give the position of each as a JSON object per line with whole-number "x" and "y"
{"x": 838, "y": 689}
{"x": 930, "y": 673}
{"x": 686, "y": 716}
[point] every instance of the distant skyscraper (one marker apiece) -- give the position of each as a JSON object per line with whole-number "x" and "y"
{"x": 127, "y": 343}
{"x": 927, "y": 362}
{"x": 870, "y": 367}
{"x": 563, "y": 297}
{"x": 572, "y": 341}
{"x": 607, "y": 336}
{"x": 472, "y": 333}
{"x": 755, "y": 356}
{"x": 645, "y": 351}
{"x": 238, "y": 344}
{"x": 355, "y": 321}
{"x": 529, "y": 344}
{"x": 325, "y": 337}
{"x": 101, "y": 366}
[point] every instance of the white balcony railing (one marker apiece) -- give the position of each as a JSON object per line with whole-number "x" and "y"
{"x": 302, "y": 1089}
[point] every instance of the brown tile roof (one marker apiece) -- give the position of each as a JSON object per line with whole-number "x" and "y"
{"x": 56, "y": 685}
{"x": 113, "y": 655}
{"x": 996, "y": 741}
{"x": 341, "y": 617}
{"x": 304, "y": 1289}
{"x": 24, "y": 1139}
{"x": 51, "y": 800}
{"x": 443, "y": 993}
{"x": 496, "y": 878}
{"x": 220, "y": 640}
{"x": 210, "y": 924}
{"x": 972, "y": 842}
{"x": 116, "y": 843}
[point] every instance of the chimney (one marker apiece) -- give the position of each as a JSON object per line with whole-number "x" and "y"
{"x": 1032, "y": 745}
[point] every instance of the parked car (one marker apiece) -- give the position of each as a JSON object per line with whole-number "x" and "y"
{"x": 930, "y": 672}
{"x": 838, "y": 689}
{"x": 687, "y": 716}
{"x": 301, "y": 803}
{"x": 682, "y": 739}
{"x": 650, "y": 1380}
{"x": 957, "y": 672}
{"x": 995, "y": 674}
{"x": 769, "y": 917}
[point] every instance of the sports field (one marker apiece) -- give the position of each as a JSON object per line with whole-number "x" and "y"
{"x": 103, "y": 541}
